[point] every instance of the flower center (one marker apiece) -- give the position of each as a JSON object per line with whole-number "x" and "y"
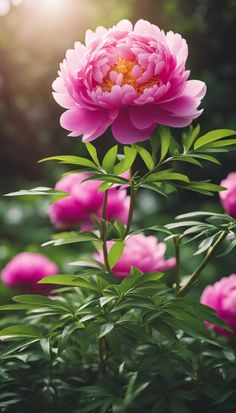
{"x": 127, "y": 72}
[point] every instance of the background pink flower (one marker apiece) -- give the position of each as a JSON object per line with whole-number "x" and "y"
{"x": 144, "y": 253}
{"x": 84, "y": 201}
{"x": 222, "y": 297}
{"x": 130, "y": 78}
{"x": 228, "y": 197}
{"x": 26, "y": 269}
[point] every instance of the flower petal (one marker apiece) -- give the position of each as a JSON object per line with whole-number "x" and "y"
{"x": 125, "y": 132}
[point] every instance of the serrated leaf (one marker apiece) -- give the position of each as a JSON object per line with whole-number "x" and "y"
{"x": 213, "y": 136}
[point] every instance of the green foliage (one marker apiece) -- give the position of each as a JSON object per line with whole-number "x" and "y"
{"x": 127, "y": 345}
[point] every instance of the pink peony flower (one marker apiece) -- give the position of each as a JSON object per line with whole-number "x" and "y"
{"x": 144, "y": 253}
{"x": 26, "y": 269}
{"x": 228, "y": 197}
{"x": 222, "y": 297}
{"x": 129, "y": 78}
{"x": 84, "y": 201}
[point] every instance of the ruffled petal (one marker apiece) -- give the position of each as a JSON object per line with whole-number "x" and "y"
{"x": 90, "y": 123}
{"x": 125, "y": 132}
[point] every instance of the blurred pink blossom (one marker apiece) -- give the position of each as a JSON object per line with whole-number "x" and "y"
{"x": 222, "y": 297}
{"x": 84, "y": 201}
{"x": 228, "y": 197}
{"x": 144, "y": 253}
{"x": 26, "y": 269}
{"x": 129, "y": 78}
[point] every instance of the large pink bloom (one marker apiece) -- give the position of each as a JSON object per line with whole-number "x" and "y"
{"x": 228, "y": 197}
{"x": 144, "y": 253}
{"x": 222, "y": 297}
{"x": 26, "y": 269}
{"x": 84, "y": 201}
{"x": 130, "y": 78}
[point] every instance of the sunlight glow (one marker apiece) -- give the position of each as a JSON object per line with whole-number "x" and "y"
{"x": 4, "y": 7}
{"x": 47, "y": 5}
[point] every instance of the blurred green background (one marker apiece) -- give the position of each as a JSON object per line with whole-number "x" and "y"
{"x": 34, "y": 35}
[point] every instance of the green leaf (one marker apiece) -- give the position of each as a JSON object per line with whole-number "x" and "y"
{"x": 225, "y": 142}
{"x": 205, "y": 188}
{"x": 71, "y": 238}
{"x": 213, "y": 136}
{"x": 192, "y": 136}
{"x": 68, "y": 279}
{"x": 107, "y": 178}
{"x": 40, "y": 300}
{"x": 165, "y": 137}
{"x": 163, "y": 328}
{"x": 206, "y": 158}
{"x": 115, "y": 253}
{"x": 155, "y": 188}
{"x": 18, "y": 346}
{"x": 20, "y": 331}
{"x": 166, "y": 176}
{"x": 129, "y": 281}
{"x": 71, "y": 160}
{"x": 146, "y": 157}
{"x": 119, "y": 228}
{"x": 41, "y": 190}
{"x": 104, "y": 186}
{"x": 106, "y": 329}
{"x": 110, "y": 159}
{"x": 187, "y": 158}
{"x": 93, "y": 153}
{"x": 127, "y": 162}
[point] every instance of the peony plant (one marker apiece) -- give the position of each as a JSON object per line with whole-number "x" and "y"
{"x": 119, "y": 334}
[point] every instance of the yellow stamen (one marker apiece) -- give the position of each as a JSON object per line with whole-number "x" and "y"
{"x": 125, "y": 67}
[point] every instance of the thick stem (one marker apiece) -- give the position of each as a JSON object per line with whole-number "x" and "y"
{"x": 104, "y": 231}
{"x": 133, "y": 192}
{"x": 183, "y": 291}
{"x": 177, "y": 265}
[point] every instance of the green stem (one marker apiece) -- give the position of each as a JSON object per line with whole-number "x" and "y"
{"x": 102, "y": 357}
{"x": 104, "y": 231}
{"x": 177, "y": 265}
{"x": 183, "y": 291}
{"x": 133, "y": 192}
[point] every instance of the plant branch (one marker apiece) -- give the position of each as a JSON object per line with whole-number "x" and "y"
{"x": 133, "y": 192}
{"x": 183, "y": 291}
{"x": 102, "y": 351}
{"x": 177, "y": 265}
{"x": 104, "y": 231}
